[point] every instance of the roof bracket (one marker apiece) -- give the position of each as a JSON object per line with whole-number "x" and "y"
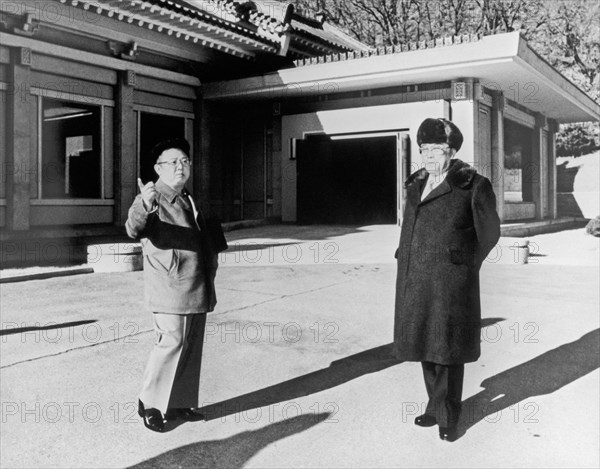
{"x": 28, "y": 27}
{"x": 124, "y": 51}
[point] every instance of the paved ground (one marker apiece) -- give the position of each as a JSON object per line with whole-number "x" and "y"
{"x": 296, "y": 370}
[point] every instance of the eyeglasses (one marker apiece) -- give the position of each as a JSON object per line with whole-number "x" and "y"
{"x": 174, "y": 163}
{"x": 435, "y": 151}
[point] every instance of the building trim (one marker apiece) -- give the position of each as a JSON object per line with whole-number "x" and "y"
{"x": 76, "y": 98}
{"x": 163, "y": 111}
{"x": 95, "y": 59}
{"x": 515, "y": 114}
{"x": 67, "y": 202}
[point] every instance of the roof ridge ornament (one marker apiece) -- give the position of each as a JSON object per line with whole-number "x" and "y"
{"x": 286, "y": 30}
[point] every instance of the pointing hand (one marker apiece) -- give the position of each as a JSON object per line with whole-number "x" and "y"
{"x": 148, "y": 193}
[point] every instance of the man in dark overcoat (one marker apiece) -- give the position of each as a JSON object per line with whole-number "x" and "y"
{"x": 180, "y": 264}
{"x": 450, "y": 224}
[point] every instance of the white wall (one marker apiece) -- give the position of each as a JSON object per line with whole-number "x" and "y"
{"x": 407, "y": 116}
{"x": 463, "y": 117}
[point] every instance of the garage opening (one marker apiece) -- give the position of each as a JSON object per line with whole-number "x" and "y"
{"x": 348, "y": 179}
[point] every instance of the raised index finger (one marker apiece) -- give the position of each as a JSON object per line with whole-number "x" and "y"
{"x": 140, "y": 184}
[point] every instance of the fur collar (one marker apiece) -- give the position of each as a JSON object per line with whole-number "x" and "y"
{"x": 460, "y": 174}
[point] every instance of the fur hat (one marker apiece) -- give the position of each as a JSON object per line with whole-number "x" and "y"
{"x": 439, "y": 131}
{"x": 178, "y": 143}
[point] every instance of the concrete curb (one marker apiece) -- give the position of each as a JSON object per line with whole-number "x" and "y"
{"x": 517, "y": 231}
{"x": 45, "y": 275}
{"x": 230, "y": 226}
{"x": 542, "y": 227}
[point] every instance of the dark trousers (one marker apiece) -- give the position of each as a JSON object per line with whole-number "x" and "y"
{"x": 444, "y": 385}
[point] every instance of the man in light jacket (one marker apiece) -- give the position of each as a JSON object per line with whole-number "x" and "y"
{"x": 450, "y": 225}
{"x": 180, "y": 264}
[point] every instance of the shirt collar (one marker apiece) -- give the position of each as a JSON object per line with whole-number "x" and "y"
{"x": 168, "y": 192}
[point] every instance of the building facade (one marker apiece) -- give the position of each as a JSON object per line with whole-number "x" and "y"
{"x": 288, "y": 118}
{"x": 88, "y": 87}
{"x": 346, "y": 125}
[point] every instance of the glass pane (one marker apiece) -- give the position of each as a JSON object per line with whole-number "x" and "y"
{"x": 517, "y": 162}
{"x": 71, "y": 156}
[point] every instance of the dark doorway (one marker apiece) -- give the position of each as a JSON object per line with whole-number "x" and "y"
{"x": 153, "y": 129}
{"x": 344, "y": 180}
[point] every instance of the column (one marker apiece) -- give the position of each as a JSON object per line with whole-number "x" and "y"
{"x": 540, "y": 155}
{"x": 202, "y": 153}
{"x": 19, "y": 144}
{"x": 552, "y": 178}
{"x": 125, "y": 150}
{"x": 497, "y": 163}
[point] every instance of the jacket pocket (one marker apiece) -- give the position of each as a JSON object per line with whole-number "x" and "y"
{"x": 162, "y": 260}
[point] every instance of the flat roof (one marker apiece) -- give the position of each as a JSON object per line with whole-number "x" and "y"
{"x": 501, "y": 62}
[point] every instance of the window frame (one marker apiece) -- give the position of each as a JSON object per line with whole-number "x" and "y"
{"x": 102, "y": 103}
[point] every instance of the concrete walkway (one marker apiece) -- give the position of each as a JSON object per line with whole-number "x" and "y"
{"x": 296, "y": 370}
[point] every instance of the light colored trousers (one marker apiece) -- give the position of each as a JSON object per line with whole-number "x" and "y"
{"x": 172, "y": 376}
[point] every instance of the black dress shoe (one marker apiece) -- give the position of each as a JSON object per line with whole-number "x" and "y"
{"x": 425, "y": 420}
{"x": 153, "y": 418}
{"x": 448, "y": 434}
{"x": 187, "y": 414}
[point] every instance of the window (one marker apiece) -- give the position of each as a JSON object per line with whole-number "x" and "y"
{"x": 71, "y": 165}
{"x": 518, "y": 165}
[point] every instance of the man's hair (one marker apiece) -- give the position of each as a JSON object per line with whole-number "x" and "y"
{"x": 178, "y": 143}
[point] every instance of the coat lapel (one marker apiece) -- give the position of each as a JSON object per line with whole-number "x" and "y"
{"x": 414, "y": 187}
{"x": 460, "y": 175}
{"x": 442, "y": 189}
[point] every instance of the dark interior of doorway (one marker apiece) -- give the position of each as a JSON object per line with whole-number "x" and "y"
{"x": 346, "y": 180}
{"x": 153, "y": 129}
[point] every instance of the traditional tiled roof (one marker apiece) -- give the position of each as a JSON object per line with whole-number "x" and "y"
{"x": 234, "y": 12}
{"x": 323, "y": 37}
{"x": 411, "y": 46}
{"x": 214, "y": 25}
{"x": 316, "y": 24}
{"x": 310, "y": 32}
{"x": 235, "y": 27}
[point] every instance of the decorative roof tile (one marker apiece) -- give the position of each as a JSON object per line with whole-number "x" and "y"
{"x": 397, "y": 49}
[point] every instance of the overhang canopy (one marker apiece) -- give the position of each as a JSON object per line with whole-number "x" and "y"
{"x": 503, "y": 62}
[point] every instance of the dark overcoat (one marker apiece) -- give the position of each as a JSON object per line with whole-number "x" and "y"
{"x": 180, "y": 263}
{"x": 443, "y": 242}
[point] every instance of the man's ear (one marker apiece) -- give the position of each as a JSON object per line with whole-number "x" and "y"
{"x": 157, "y": 169}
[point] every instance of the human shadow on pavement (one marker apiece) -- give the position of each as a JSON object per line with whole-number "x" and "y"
{"x": 541, "y": 375}
{"x": 19, "y": 330}
{"x": 338, "y": 372}
{"x": 235, "y": 451}
{"x": 486, "y": 322}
